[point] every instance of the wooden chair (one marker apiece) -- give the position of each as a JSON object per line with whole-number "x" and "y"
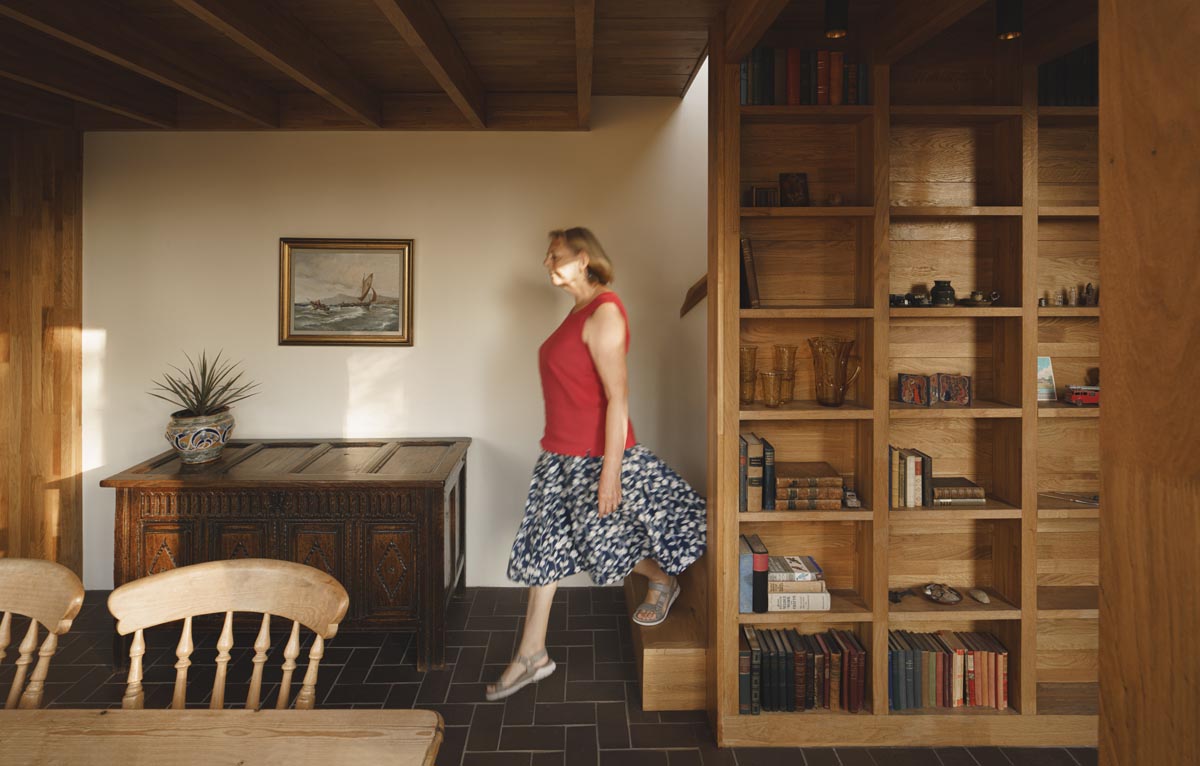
{"x": 46, "y": 593}
{"x": 299, "y": 593}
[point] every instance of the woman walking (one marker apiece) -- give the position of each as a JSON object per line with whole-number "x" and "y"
{"x": 599, "y": 501}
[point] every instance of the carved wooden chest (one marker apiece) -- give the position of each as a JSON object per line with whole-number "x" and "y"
{"x": 385, "y": 517}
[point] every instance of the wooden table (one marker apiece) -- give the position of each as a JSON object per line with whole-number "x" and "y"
{"x": 286, "y": 737}
{"x": 386, "y": 517}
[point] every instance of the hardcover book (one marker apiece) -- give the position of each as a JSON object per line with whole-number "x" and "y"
{"x": 813, "y": 474}
{"x": 791, "y": 568}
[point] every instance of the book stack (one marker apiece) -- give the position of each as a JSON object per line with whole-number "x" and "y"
{"x": 781, "y": 670}
{"x": 779, "y": 76}
{"x": 946, "y": 669}
{"x": 778, "y": 583}
{"x": 911, "y": 483}
{"x": 764, "y": 485}
{"x": 957, "y": 490}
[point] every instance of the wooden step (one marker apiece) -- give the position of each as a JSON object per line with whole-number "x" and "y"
{"x": 670, "y": 656}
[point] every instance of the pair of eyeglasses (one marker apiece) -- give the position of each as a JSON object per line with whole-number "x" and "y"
{"x": 938, "y": 593}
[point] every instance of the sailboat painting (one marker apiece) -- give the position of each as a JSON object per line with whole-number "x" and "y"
{"x": 345, "y": 292}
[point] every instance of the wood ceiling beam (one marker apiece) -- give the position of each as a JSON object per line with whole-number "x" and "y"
{"x": 277, "y": 38}
{"x": 44, "y": 66}
{"x": 911, "y": 23}
{"x": 585, "y": 46}
{"x": 33, "y": 105}
{"x": 745, "y": 22}
{"x": 695, "y": 71}
{"x": 422, "y": 26}
{"x": 1062, "y": 28}
{"x": 104, "y": 30}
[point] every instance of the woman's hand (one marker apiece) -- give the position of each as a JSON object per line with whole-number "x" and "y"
{"x": 610, "y": 491}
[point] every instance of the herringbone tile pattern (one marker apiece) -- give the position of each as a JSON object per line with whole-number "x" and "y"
{"x": 588, "y": 713}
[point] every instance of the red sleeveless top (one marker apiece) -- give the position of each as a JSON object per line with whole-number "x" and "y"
{"x": 571, "y": 386}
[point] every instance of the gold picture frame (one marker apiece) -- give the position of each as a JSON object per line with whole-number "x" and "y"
{"x": 345, "y": 292}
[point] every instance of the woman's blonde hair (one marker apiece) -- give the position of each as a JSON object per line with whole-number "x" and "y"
{"x": 579, "y": 239}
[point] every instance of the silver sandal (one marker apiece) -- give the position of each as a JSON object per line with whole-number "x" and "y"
{"x": 662, "y": 607}
{"x": 531, "y": 675}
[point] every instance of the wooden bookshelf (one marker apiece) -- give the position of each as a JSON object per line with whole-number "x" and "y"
{"x": 963, "y": 178}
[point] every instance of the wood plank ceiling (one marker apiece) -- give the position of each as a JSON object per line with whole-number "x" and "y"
{"x": 340, "y": 64}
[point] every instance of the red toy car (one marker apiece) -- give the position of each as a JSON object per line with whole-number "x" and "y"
{"x": 1082, "y": 395}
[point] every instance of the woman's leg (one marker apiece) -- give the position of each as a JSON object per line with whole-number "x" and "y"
{"x": 533, "y": 639}
{"x": 650, "y": 569}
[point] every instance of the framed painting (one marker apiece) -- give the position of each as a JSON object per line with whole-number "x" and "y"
{"x": 346, "y": 292}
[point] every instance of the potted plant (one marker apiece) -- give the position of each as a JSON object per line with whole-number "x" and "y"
{"x": 204, "y": 393}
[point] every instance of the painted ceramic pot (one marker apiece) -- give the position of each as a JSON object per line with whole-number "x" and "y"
{"x": 199, "y": 438}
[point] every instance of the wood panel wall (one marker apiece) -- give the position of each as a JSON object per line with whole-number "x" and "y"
{"x": 41, "y": 198}
{"x": 1150, "y": 344}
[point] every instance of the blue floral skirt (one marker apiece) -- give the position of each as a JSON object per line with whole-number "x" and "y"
{"x": 660, "y": 517}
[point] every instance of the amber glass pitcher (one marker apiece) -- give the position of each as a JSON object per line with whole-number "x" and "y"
{"x": 831, "y": 358}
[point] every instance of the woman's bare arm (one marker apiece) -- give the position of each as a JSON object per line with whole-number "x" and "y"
{"x": 604, "y": 336}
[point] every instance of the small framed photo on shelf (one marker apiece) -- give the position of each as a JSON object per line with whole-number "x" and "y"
{"x": 954, "y": 389}
{"x": 916, "y": 389}
{"x": 793, "y": 190}
{"x": 1046, "y": 391}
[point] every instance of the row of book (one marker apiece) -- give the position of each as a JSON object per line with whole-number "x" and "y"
{"x": 911, "y": 483}
{"x": 1071, "y": 80}
{"x": 769, "y": 583}
{"x": 946, "y": 669}
{"x": 781, "y": 670}
{"x": 764, "y": 485}
{"x": 779, "y": 76}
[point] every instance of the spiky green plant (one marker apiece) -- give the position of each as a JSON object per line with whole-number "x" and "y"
{"x": 205, "y": 388}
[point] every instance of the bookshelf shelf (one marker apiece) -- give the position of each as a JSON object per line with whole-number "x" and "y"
{"x": 966, "y": 179}
{"x": 1068, "y": 311}
{"x": 1058, "y": 602}
{"x": 860, "y": 514}
{"x": 1068, "y": 114}
{"x": 1060, "y": 410}
{"x": 905, "y": 114}
{"x": 992, "y": 509}
{"x": 845, "y": 606}
{"x": 805, "y": 410}
{"x": 978, "y": 409}
{"x": 921, "y": 312}
{"x": 809, "y": 312}
{"x": 1058, "y": 508}
{"x": 825, "y": 211}
{"x": 1069, "y": 211}
{"x": 924, "y": 211}
{"x": 916, "y": 609}
{"x": 955, "y": 711}
{"x": 807, "y": 113}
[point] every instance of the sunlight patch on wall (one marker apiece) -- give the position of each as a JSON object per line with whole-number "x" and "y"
{"x": 94, "y": 344}
{"x": 375, "y": 401}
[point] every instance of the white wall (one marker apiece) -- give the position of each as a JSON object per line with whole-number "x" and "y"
{"x": 180, "y": 246}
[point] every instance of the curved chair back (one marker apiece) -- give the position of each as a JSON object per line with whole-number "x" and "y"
{"x": 46, "y": 593}
{"x": 295, "y": 592}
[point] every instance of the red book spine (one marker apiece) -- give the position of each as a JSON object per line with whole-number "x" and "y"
{"x": 793, "y": 76}
{"x": 822, "y": 77}
{"x": 837, "y": 61}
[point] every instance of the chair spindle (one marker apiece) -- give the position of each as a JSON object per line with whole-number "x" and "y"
{"x": 290, "y": 653}
{"x": 134, "y": 697}
{"x": 308, "y": 692}
{"x": 5, "y": 634}
{"x": 184, "y": 653}
{"x": 31, "y": 699}
{"x": 261, "y": 644}
{"x": 24, "y": 658}
{"x": 224, "y": 644}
